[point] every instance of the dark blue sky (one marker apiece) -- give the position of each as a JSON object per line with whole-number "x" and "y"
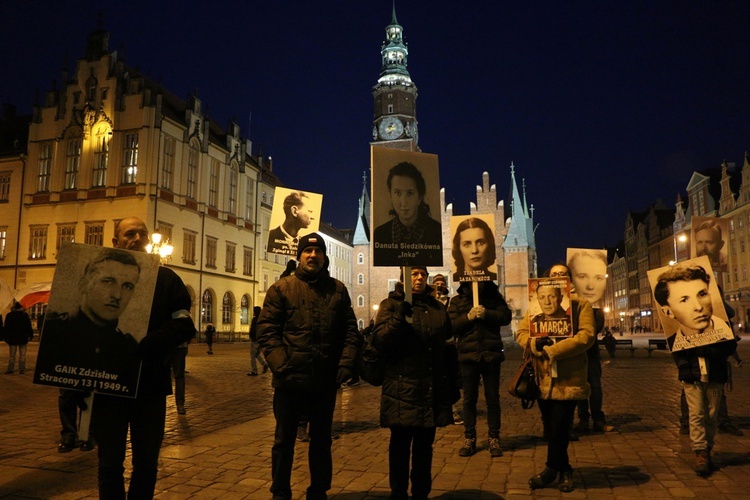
{"x": 603, "y": 106}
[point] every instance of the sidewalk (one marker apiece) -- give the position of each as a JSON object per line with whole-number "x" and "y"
{"x": 222, "y": 447}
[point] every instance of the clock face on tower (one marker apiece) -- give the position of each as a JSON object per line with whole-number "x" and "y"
{"x": 390, "y": 128}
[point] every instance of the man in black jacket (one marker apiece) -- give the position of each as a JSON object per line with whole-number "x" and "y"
{"x": 169, "y": 326}
{"x": 308, "y": 333}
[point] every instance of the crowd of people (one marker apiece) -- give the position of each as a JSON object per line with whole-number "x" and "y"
{"x": 434, "y": 349}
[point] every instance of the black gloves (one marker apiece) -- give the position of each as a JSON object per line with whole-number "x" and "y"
{"x": 543, "y": 341}
{"x": 686, "y": 373}
{"x": 345, "y": 374}
{"x": 405, "y": 309}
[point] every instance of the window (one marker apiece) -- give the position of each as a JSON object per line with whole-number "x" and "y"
{"x": 249, "y": 199}
{"x": 192, "y": 170}
{"x": 167, "y": 168}
{"x": 72, "y": 163}
{"x": 360, "y": 279}
{"x": 65, "y": 232}
{"x": 4, "y": 186}
{"x": 247, "y": 261}
{"x": 265, "y": 282}
{"x": 392, "y": 285}
{"x": 263, "y": 197}
{"x": 188, "y": 247}
{"x": 244, "y": 307}
{"x": 361, "y": 324}
{"x": 101, "y": 160}
{"x": 227, "y": 304}
{"x": 360, "y": 301}
{"x": 207, "y": 307}
{"x": 130, "y": 158}
{"x": 232, "y": 189}
{"x": 230, "y": 257}
{"x": 38, "y": 243}
{"x": 165, "y": 230}
{"x": 3, "y": 241}
{"x": 94, "y": 233}
{"x": 360, "y": 258}
{"x": 213, "y": 183}
{"x": 45, "y": 160}
{"x": 211, "y": 252}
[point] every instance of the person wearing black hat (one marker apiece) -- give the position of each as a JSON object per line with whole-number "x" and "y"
{"x": 308, "y": 333}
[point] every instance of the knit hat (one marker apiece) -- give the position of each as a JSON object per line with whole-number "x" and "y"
{"x": 311, "y": 240}
{"x": 438, "y": 278}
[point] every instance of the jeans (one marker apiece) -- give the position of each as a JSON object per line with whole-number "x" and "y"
{"x": 289, "y": 406}
{"x": 594, "y": 403}
{"x": 417, "y": 443}
{"x": 557, "y": 419}
{"x": 703, "y": 404}
{"x": 145, "y": 415}
{"x": 490, "y": 373}
{"x": 21, "y": 349}
{"x": 178, "y": 371}
{"x": 256, "y": 355}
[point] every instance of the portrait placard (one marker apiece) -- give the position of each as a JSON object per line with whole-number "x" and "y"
{"x": 710, "y": 237}
{"x": 406, "y": 208}
{"x": 98, "y": 312}
{"x": 474, "y": 250}
{"x": 549, "y": 307}
{"x": 295, "y": 213}
{"x": 588, "y": 272}
{"x": 689, "y": 304}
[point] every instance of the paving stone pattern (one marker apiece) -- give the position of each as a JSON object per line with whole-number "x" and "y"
{"x": 222, "y": 447}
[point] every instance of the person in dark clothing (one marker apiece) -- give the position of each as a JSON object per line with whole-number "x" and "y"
{"x": 18, "y": 332}
{"x": 169, "y": 326}
{"x": 417, "y": 395}
{"x": 591, "y": 408}
{"x": 480, "y": 353}
{"x": 255, "y": 354}
{"x": 179, "y": 357}
{"x": 69, "y": 403}
{"x": 209, "y": 333}
{"x": 308, "y": 333}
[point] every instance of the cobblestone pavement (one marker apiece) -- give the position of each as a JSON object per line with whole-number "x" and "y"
{"x": 222, "y": 447}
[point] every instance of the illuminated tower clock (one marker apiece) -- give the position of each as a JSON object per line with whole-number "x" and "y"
{"x": 395, "y": 95}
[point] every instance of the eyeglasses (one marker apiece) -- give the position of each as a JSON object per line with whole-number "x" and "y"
{"x": 559, "y": 274}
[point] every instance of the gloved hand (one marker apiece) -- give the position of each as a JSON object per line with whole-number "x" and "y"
{"x": 686, "y": 373}
{"x": 543, "y": 341}
{"x": 405, "y": 309}
{"x": 81, "y": 400}
{"x": 344, "y": 375}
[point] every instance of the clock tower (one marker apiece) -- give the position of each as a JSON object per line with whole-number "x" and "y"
{"x": 395, "y": 95}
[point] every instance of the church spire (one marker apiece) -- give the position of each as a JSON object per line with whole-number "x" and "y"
{"x": 518, "y": 232}
{"x": 362, "y": 231}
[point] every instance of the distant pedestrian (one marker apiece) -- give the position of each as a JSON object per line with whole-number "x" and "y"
{"x": 18, "y": 332}
{"x": 609, "y": 343}
{"x": 255, "y": 354}
{"x": 209, "y": 333}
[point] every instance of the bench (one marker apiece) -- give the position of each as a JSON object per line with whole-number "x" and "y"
{"x": 622, "y": 344}
{"x": 656, "y": 344}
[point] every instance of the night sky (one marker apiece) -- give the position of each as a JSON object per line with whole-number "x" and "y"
{"x": 602, "y": 106}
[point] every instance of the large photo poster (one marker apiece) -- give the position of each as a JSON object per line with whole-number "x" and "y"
{"x": 405, "y": 208}
{"x": 97, "y": 314}
{"x": 690, "y": 305}
{"x": 549, "y": 307}
{"x": 295, "y": 213}
{"x": 474, "y": 252}
{"x": 710, "y": 238}
{"x": 588, "y": 270}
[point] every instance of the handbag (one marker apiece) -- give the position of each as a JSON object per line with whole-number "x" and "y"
{"x": 371, "y": 364}
{"x": 523, "y": 383}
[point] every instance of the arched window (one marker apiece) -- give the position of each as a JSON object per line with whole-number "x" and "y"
{"x": 244, "y": 307}
{"x": 207, "y": 307}
{"x": 360, "y": 301}
{"x": 227, "y": 304}
{"x": 360, "y": 279}
{"x": 360, "y": 258}
{"x": 361, "y": 324}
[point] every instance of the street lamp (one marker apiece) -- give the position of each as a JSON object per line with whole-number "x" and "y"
{"x": 682, "y": 238}
{"x": 162, "y": 249}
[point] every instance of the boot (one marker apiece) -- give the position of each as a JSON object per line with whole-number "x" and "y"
{"x": 702, "y": 463}
{"x": 566, "y": 481}
{"x": 543, "y": 479}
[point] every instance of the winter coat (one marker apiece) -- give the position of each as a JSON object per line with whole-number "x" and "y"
{"x": 569, "y": 353}
{"x": 417, "y": 390}
{"x": 307, "y": 330}
{"x": 18, "y": 330}
{"x": 716, "y": 357}
{"x": 479, "y": 340}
